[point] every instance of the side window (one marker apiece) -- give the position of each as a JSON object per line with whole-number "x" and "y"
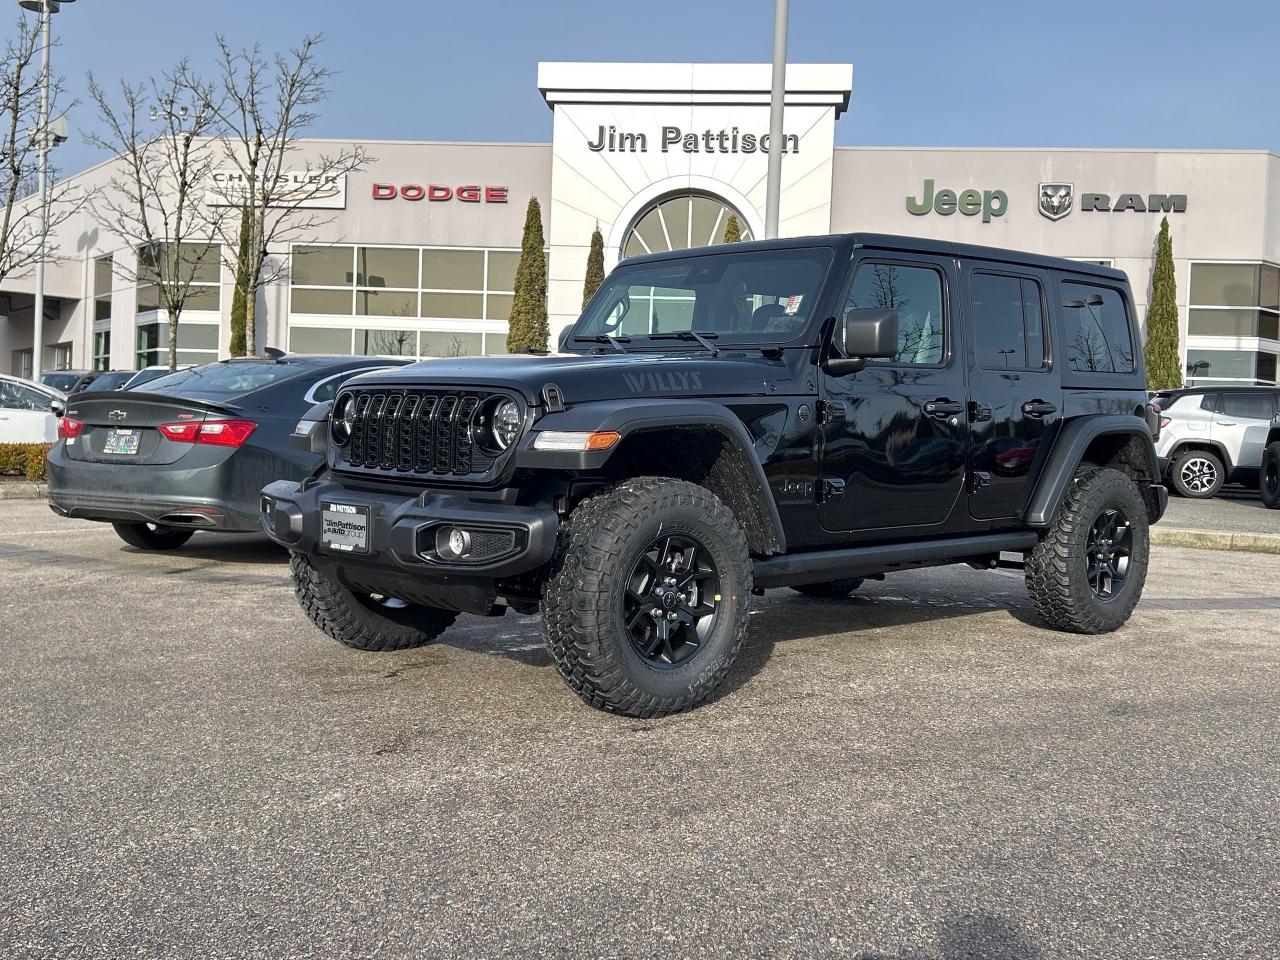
{"x": 1008, "y": 322}
{"x": 1247, "y": 406}
{"x": 916, "y": 293}
{"x": 1210, "y": 402}
{"x": 1097, "y": 329}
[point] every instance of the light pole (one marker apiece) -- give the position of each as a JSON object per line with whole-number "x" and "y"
{"x": 777, "y": 92}
{"x": 46, "y": 9}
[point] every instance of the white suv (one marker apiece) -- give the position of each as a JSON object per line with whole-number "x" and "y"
{"x": 1213, "y": 435}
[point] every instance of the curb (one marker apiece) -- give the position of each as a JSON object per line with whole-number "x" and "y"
{"x": 23, "y": 490}
{"x": 1213, "y": 540}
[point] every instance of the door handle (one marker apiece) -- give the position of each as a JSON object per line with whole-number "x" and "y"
{"x": 1038, "y": 408}
{"x": 1226, "y": 423}
{"x": 942, "y": 408}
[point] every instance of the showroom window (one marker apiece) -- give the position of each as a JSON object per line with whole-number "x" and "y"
{"x": 198, "y": 264}
{"x": 410, "y": 301}
{"x": 102, "y": 282}
{"x": 102, "y": 350}
{"x": 22, "y": 363}
{"x": 1233, "y": 366}
{"x": 197, "y": 343}
{"x": 1235, "y": 300}
{"x": 60, "y": 356}
{"x": 679, "y": 222}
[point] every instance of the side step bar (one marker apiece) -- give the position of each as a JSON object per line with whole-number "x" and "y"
{"x": 793, "y": 568}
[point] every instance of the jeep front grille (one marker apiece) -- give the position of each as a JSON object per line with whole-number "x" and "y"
{"x": 426, "y": 432}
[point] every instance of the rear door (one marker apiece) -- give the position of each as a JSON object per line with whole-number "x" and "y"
{"x": 895, "y": 441}
{"x": 1015, "y": 394}
{"x": 1242, "y": 423}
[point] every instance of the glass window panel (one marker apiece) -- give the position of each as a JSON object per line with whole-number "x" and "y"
{"x": 203, "y": 298}
{"x": 149, "y": 337}
{"x": 101, "y": 349}
{"x": 1269, "y": 326}
{"x": 460, "y": 306}
{"x": 1270, "y": 288}
{"x": 1267, "y": 367}
{"x": 500, "y": 306}
{"x": 386, "y": 303}
{"x": 1224, "y": 284}
{"x": 495, "y": 343}
{"x": 197, "y": 336}
{"x": 633, "y": 247}
{"x": 441, "y": 344}
{"x": 1221, "y": 364}
{"x": 1037, "y": 347}
{"x": 387, "y": 343}
{"x": 650, "y": 231}
{"x": 453, "y": 270}
{"x": 1096, "y": 324}
{"x": 102, "y": 278}
{"x": 1222, "y": 323}
{"x": 337, "y": 302}
{"x": 676, "y": 214}
{"x": 322, "y": 266}
{"x": 1248, "y": 406}
{"x": 705, "y": 229}
{"x": 196, "y": 356}
{"x": 148, "y": 298}
{"x": 102, "y": 309}
{"x": 319, "y": 340}
{"x": 386, "y": 267}
{"x": 916, "y": 293}
{"x": 201, "y": 262}
{"x": 1000, "y": 335}
{"x": 502, "y": 270}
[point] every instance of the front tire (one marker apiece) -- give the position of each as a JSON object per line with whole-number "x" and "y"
{"x": 152, "y": 536}
{"x": 646, "y": 606}
{"x": 1269, "y": 478}
{"x": 1086, "y": 575}
{"x": 830, "y": 589}
{"x": 364, "y": 621}
{"x": 1197, "y": 474}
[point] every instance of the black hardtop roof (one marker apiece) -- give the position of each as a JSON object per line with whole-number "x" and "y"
{"x": 888, "y": 241}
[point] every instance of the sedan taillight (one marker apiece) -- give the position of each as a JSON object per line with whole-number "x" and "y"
{"x": 218, "y": 433}
{"x": 69, "y": 429}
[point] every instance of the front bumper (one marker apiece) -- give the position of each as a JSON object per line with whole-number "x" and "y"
{"x": 1159, "y": 502}
{"x": 402, "y": 529}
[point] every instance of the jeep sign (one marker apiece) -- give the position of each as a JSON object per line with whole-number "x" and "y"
{"x": 990, "y": 203}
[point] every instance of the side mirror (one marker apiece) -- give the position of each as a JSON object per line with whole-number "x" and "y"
{"x": 57, "y": 408}
{"x": 562, "y": 341}
{"x": 866, "y": 333}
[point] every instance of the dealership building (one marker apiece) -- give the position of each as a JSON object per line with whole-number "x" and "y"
{"x": 416, "y": 253}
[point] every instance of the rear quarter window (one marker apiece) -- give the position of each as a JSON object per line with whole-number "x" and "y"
{"x": 1097, "y": 328}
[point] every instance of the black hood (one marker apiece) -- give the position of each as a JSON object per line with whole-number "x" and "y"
{"x": 606, "y": 376}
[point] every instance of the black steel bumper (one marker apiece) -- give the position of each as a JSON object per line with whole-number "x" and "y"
{"x": 402, "y": 530}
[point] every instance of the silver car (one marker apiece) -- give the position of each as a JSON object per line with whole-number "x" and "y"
{"x": 1214, "y": 435}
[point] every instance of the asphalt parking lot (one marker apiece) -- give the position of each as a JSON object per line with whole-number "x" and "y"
{"x": 188, "y": 768}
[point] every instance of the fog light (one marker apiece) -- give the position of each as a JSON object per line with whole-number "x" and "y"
{"x": 453, "y": 543}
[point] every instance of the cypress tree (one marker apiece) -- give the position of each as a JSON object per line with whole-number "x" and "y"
{"x": 595, "y": 268}
{"x": 240, "y": 294}
{"x": 527, "y": 326}
{"x": 732, "y": 230}
{"x": 1164, "y": 365}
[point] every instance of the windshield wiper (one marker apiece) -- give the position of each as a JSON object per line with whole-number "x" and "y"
{"x": 689, "y": 336}
{"x": 615, "y": 342}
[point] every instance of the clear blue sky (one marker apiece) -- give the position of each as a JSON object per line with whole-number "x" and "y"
{"x": 1178, "y": 73}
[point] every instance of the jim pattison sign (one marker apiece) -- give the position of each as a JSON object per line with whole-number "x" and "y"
{"x": 293, "y": 188}
{"x": 672, "y": 139}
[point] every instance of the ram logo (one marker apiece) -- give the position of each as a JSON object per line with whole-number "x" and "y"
{"x": 1056, "y": 199}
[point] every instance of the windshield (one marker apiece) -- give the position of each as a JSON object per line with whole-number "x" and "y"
{"x": 224, "y": 378}
{"x": 764, "y": 296}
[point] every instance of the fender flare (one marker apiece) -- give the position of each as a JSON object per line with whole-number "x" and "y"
{"x": 630, "y": 417}
{"x": 1068, "y": 451}
{"x": 1219, "y": 449}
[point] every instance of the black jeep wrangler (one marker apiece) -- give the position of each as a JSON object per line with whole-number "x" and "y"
{"x": 801, "y": 412}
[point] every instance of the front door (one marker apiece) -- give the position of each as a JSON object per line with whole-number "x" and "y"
{"x": 1015, "y": 397}
{"x": 895, "y": 439}
{"x": 1242, "y": 423}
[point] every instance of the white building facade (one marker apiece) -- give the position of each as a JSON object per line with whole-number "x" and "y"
{"x": 419, "y": 254}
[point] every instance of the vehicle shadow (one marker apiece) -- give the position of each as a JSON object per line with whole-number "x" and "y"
{"x": 962, "y": 936}
{"x": 242, "y": 548}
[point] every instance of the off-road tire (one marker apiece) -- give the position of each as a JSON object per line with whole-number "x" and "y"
{"x": 583, "y": 597}
{"x": 830, "y": 589}
{"x": 152, "y": 536}
{"x": 1269, "y": 476}
{"x": 360, "y": 622}
{"x": 1181, "y": 461}
{"x": 1057, "y": 569}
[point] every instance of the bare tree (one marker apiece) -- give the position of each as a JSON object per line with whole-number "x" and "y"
{"x": 264, "y": 107}
{"x": 21, "y": 241}
{"x": 154, "y": 201}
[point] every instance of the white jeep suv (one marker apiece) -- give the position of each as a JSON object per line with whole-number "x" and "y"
{"x": 1214, "y": 435}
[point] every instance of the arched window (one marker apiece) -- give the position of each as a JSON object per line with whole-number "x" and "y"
{"x": 679, "y": 221}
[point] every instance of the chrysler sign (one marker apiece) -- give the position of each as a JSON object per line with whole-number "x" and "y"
{"x": 293, "y": 188}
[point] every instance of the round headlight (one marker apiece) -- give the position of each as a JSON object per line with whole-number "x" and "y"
{"x": 343, "y": 418}
{"x": 506, "y": 423}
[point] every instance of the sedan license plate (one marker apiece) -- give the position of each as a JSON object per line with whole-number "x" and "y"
{"x": 344, "y": 527}
{"x": 122, "y": 442}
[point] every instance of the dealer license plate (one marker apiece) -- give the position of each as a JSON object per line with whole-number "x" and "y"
{"x": 123, "y": 442}
{"x": 344, "y": 527}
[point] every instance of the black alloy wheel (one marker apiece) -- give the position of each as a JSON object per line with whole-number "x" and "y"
{"x": 672, "y": 595}
{"x": 1107, "y": 556}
